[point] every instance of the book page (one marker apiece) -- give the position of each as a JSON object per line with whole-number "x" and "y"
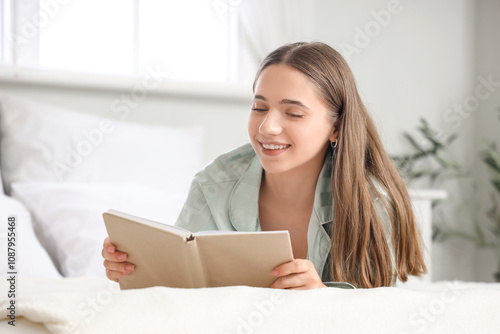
{"x": 157, "y": 225}
{"x": 243, "y": 258}
{"x": 232, "y": 232}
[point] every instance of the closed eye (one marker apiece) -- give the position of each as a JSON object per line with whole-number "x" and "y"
{"x": 259, "y": 109}
{"x": 295, "y": 115}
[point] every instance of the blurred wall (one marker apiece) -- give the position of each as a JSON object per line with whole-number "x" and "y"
{"x": 487, "y": 119}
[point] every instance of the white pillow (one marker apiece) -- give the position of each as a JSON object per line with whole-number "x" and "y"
{"x": 49, "y": 144}
{"x": 31, "y": 259}
{"x": 68, "y": 217}
{"x": 2, "y": 191}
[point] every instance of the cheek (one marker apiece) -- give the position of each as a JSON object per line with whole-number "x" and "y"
{"x": 313, "y": 137}
{"x": 253, "y": 125}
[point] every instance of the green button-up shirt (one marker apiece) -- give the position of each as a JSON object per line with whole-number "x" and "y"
{"x": 225, "y": 196}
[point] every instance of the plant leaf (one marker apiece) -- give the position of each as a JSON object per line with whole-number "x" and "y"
{"x": 479, "y": 232}
{"x": 413, "y": 142}
{"x": 451, "y": 139}
{"x": 496, "y": 184}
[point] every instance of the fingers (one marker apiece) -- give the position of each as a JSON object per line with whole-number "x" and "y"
{"x": 292, "y": 281}
{"x": 115, "y": 275}
{"x": 115, "y": 270}
{"x": 107, "y": 243}
{"x": 108, "y": 246}
{"x": 113, "y": 256}
{"x": 110, "y": 253}
{"x": 299, "y": 288}
{"x": 302, "y": 281}
{"x": 296, "y": 274}
{"x": 293, "y": 267}
{"x": 114, "y": 261}
{"x": 123, "y": 267}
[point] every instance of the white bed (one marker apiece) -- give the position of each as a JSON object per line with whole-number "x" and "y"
{"x": 94, "y": 305}
{"x": 62, "y": 169}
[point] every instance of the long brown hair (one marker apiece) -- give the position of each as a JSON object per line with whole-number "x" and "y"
{"x": 360, "y": 253}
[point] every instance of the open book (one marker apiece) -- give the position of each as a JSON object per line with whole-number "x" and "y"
{"x": 166, "y": 255}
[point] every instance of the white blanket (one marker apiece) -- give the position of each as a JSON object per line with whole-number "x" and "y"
{"x": 96, "y": 305}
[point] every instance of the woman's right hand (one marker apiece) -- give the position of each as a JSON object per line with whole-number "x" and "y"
{"x": 114, "y": 262}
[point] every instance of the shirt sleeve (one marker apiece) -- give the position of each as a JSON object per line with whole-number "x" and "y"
{"x": 341, "y": 285}
{"x": 387, "y": 225}
{"x": 196, "y": 215}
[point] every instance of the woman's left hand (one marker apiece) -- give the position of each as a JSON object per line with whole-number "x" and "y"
{"x": 298, "y": 274}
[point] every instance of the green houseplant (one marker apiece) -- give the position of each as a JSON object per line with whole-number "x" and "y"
{"x": 430, "y": 159}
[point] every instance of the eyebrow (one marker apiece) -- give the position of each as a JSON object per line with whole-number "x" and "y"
{"x": 284, "y": 101}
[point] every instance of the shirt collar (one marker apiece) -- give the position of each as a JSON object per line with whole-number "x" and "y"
{"x": 244, "y": 199}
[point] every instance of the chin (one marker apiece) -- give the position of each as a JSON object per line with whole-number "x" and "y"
{"x": 274, "y": 168}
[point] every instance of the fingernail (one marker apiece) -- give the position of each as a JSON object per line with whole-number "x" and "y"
{"x": 111, "y": 249}
{"x": 274, "y": 273}
{"x": 121, "y": 256}
{"x": 129, "y": 267}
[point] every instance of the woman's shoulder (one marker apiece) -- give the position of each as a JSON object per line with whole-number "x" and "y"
{"x": 228, "y": 166}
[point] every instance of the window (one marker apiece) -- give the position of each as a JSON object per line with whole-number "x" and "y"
{"x": 5, "y": 23}
{"x": 190, "y": 40}
{"x": 2, "y": 22}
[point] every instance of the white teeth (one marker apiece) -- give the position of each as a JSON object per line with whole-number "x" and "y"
{"x": 274, "y": 147}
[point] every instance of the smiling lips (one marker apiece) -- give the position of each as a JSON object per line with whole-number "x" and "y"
{"x": 273, "y": 149}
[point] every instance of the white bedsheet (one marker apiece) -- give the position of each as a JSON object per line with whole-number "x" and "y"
{"x": 95, "y": 305}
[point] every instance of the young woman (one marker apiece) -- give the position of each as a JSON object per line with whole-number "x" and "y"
{"x": 315, "y": 167}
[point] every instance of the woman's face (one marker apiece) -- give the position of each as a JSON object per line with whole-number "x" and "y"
{"x": 289, "y": 124}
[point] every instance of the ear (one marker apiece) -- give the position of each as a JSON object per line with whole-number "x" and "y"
{"x": 333, "y": 135}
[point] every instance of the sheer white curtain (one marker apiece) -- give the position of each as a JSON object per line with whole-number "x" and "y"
{"x": 267, "y": 24}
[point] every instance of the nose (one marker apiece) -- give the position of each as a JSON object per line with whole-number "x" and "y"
{"x": 271, "y": 124}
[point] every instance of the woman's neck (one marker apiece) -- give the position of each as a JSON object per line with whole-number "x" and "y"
{"x": 294, "y": 188}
